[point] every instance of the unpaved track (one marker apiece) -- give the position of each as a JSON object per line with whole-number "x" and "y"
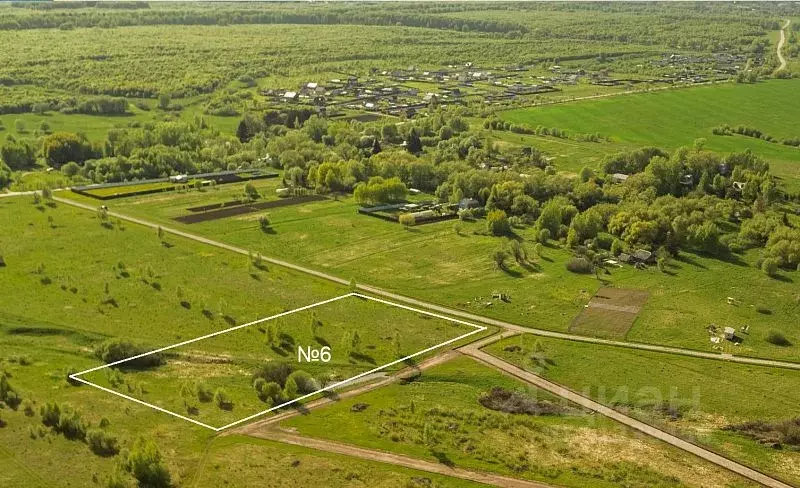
{"x": 781, "y": 43}
{"x": 251, "y": 429}
{"x": 438, "y": 308}
{"x": 395, "y": 459}
{"x": 473, "y": 350}
{"x": 497, "y": 363}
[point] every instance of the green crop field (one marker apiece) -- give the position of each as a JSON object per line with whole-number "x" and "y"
{"x": 695, "y": 397}
{"x": 438, "y": 416}
{"x": 676, "y": 118}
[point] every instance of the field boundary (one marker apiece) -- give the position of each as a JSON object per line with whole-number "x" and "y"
{"x": 478, "y": 329}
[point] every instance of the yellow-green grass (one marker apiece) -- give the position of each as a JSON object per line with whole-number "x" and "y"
{"x": 673, "y": 118}
{"x": 95, "y": 127}
{"x": 438, "y": 417}
{"x": 245, "y": 461}
{"x": 710, "y": 394}
{"x": 194, "y": 456}
{"x": 228, "y": 361}
{"x": 450, "y": 263}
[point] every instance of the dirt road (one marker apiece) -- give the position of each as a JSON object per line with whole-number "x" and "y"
{"x": 395, "y": 459}
{"x": 474, "y": 351}
{"x": 251, "y": 429}
{"x": 438, "y": 308}
{"x": 781, "y": 43}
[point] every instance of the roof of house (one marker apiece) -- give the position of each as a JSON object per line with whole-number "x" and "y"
{"x": 641, "y": 254}
{"x": 619, "y": 176}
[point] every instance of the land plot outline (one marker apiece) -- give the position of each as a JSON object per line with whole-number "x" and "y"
{"x": 470, "y": 327}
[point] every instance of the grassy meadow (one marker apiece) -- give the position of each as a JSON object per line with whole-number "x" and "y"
{"x": 450, "y": 263}
{"x": 693, "y": 397}
{"x": 674, "y": 118}
{"x": 438, "y": 417}
{"x": 229, "y": 361}
{"x": 84, "y": 283}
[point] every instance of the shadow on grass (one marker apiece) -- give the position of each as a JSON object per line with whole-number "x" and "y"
{"x": 361, "y": 357}
{"x": 443, "y": 459}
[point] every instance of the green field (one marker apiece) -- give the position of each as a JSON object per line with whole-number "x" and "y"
{"x": 438, "y": 417}
{"x": 230, "y": 361}
{"x": 674, "y": 118}
{"x": 433, "y": 262}
{"x": 707, "y": 394}
{"x": 84, "y": 283}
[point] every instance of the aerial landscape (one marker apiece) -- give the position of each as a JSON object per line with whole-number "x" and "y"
{"x": 399, "y": 244}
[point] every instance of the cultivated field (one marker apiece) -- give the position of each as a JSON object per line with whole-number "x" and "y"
{"x": 670, "y": 119}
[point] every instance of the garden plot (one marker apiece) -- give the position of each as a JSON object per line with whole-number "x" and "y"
{"x": 610, "y": 313}
{"x": 228, "y": 377}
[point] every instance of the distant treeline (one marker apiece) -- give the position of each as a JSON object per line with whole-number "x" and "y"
{"x": 726, "y": 130}
{"x": 56, "y": 17}
{"x": 49, "y": 5}
{"x": 100, "y": 105}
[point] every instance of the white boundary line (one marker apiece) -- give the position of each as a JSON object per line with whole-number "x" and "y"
{"x": 478, "y": 328}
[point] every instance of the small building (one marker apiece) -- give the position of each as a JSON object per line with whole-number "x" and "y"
{"x": 730, "y": 333}
{"x": 290, "y": 96}
{"x": 687, "y": 180}
{"x": 619, "y": 178}
{"x": 642, "y": 256}
{"x": 414, "y": 191}
{"x": 738, "y": 185}
{"x": 468, "y": 203}
{"x": 624, "y": 257}
{"x": 179, "y": 178}
{"x": 423, "y": 215}
{"x": 283, "y": 192}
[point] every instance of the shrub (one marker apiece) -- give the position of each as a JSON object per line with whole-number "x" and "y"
{"x": 102, "y": 443}
{"x": 71, "y": 426}
{"x": 222, "y": 400}
{"x": 115, "y": 350}
{"x": 544, "y": 236}
{"x": 579, "y": 265}
{"x": 503, "y": 400}
{"x": 778, "y": 339}
{"x": 407, "y": 220}
{"x": 50, "y": 413}
{"x": 203, "y": 392}
{"x": 268, "y": 391}
{"x": 274, "y": 372}
{"x": 264, "y": 223}
{"x": 497, "y": 223}
{"x": 304, "y": 381}
{"x": 770, "y": 267}
{"x": 146, "y": 465}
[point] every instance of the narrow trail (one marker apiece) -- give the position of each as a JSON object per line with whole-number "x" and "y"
{"x": 438, "y": 308}
{"x": 396, "y": 459}
{"x": 781, "y": 43}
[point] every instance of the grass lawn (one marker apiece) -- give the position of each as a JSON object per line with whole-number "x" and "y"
{"x": 438, "y": 417}
{"x": 708, "y": 394}
{"x": 450, "y": 263}
{"x": 674, "y": 118}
